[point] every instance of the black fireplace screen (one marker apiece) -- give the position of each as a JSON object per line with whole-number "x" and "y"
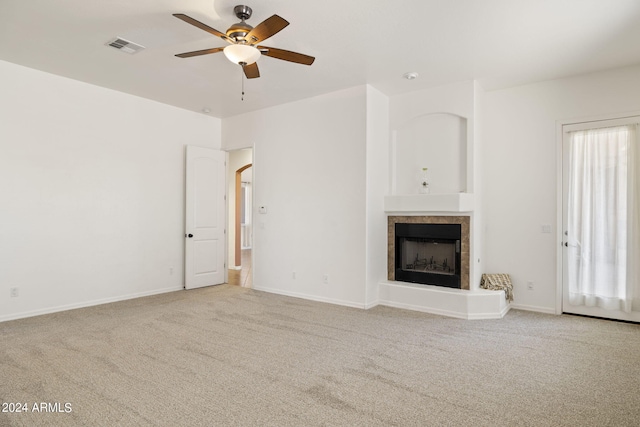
{"x": 428, "y": 254}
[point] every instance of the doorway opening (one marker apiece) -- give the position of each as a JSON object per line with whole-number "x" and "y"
{"x": 240, "y": 217}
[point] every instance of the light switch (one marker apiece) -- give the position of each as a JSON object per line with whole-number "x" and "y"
{"x": 546, "y": 228}
{"x": 262, "y": 209}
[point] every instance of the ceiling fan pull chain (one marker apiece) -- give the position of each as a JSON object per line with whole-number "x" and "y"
{"x": 242, "y": 97}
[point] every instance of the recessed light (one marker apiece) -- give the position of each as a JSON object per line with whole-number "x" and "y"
{"x": 410, "y": 76}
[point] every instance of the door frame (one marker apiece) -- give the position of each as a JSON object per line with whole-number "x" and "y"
{"x": 560, "y": 189}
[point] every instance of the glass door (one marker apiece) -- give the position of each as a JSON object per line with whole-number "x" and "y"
{"x": 600, "y": 219}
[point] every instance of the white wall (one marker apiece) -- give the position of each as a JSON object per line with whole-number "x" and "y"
{"x": 91, "y": 192}
{"x": 91, "y": 185}
{"x": 310, "y": 174}
{"x": 520, "y": 172}
{"x": 476, "y": 158}
{"x": 420, "y": 108}
{"x": 437, "y": 141}
{"x": 377, "y": 170}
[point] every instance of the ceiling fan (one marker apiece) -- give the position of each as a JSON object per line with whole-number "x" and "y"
{"x": 243, "y": 38}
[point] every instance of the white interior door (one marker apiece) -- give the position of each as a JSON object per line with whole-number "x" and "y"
{"x": 595, "y": 283}
{"x": 205, "y": 217}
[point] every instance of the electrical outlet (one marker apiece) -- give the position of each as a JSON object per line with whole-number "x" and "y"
{"x": 530, "y": 286}
{"x": 170, "y": 271}
{"x": 325, "y": 278}
{"x": 293, "y": 274}
{"x": 14, "y": 292}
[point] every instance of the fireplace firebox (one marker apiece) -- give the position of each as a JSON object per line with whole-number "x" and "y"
{"x": 428, "y": 254}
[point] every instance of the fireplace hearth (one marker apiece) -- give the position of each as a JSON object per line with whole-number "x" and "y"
{"x": 429, "y": 250}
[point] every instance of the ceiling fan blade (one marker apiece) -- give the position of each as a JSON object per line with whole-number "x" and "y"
{"x": 266, "y": 29}
{"x": 200, "y": 25}
{"x": 251, "y": 71}
{"x": 200, "y": 52}
{"x": 287, "y": 55}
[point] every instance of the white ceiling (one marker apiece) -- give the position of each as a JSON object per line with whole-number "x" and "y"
{"x": 501, "y": 43}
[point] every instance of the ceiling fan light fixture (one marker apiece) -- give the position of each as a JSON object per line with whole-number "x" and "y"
{"x": 238, "y": 53}
{"x": 245, "y": 39}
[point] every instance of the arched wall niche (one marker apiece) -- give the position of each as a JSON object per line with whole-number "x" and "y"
{"x": 437, "y": 141}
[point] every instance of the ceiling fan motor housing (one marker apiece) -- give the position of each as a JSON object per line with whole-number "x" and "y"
{"x": 237, "y": 32}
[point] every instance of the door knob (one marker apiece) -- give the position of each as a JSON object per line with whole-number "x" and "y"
{"x": 189, "y": 235}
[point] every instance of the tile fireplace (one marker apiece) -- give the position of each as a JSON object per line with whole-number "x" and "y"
{"x": 429, "y": 250}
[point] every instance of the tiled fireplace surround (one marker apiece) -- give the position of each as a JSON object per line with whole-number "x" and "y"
{"x": 464, "y": 221}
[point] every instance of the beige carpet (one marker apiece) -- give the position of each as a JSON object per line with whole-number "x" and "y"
{"x": 226, "y": 355}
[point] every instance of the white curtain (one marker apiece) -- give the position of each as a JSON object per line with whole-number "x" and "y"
{"x": 603, "y": 218}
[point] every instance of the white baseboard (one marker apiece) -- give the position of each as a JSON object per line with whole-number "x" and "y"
{"x": 85, "y": 304}
{"x": 367, "y": 306}
{"x": 545, "y": 310}
{"x": 447, "y": 313}
{"x": 422, "y": 309}
{"x": 468, "y": 315}
{"x": 371, "y": 304}
{"x": 505, "y": 310}
{"x": 310, "y": 297}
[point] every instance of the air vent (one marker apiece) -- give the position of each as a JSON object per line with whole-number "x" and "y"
{"x": 125, "y": 45}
